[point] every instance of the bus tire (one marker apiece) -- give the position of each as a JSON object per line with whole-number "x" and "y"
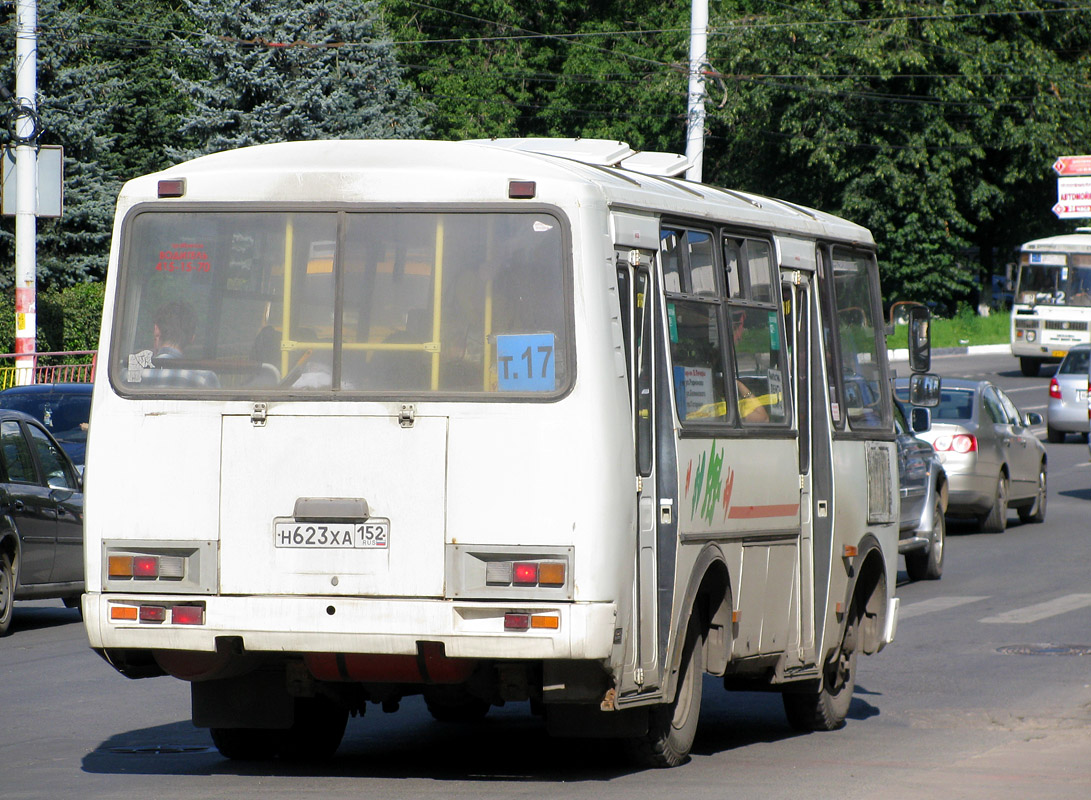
{"x": 1030, "y": 366}
{"x": 7, "y": 593}
{"x": 995, "y": 520}
{"x": 673, "y": 726}
{"x": 317, "y": 730}
{"x": 248, "y": 744}
{"x": 315, "y": 734}
{"x": 826, "y": 709}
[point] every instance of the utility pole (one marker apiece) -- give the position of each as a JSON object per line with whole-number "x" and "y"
{"x": 695, "y": 116}
{"x": 26, "y": 171}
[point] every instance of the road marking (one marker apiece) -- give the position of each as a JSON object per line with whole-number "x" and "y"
{"x": 935, "y": 604}
{"x": 1062, "y": 605}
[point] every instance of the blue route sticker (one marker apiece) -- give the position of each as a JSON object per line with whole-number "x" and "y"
{"x": 525, "y": 362}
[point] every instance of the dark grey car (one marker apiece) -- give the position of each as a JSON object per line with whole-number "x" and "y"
{"x": 923, "y": 490}
{"x": 41, "y": 517}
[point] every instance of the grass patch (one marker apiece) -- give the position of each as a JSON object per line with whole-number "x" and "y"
{"x": 962, "y": 330}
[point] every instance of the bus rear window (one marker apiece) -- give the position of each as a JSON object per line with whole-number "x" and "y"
{"x": 315, "y": 302}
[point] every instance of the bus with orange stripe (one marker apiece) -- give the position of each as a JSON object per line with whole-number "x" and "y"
{"x": 527, "y": 420}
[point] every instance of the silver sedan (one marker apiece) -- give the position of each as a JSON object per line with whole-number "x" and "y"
{"x": 993, "y": 461}
{"x": 1066, "y": 411}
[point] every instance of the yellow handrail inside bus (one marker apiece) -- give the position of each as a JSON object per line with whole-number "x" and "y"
{"x": 286, "y": 313}
{"x": 436, "y": 301}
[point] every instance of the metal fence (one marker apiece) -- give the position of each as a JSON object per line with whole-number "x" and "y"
{"x": 73, "y": 366}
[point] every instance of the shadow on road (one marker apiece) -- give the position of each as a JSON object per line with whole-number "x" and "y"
{"x": 37, "y": 617}
{"x": 508, "y": 745}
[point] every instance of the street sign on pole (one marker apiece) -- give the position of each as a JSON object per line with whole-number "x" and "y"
{"x": 1073, "y": 165}
{"x": 50, "y": 183}
{"x": 1073, "y": 198}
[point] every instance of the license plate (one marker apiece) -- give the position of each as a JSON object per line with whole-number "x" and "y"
{"x": 371, "y": 535}
{"x": 1081, "y": 395}
{"x": 1059, "y": 353}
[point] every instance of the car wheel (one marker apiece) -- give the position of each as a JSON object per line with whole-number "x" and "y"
{"x": 7, "y": 593}
{"x": 996, "y": 520}
{"x": 1054, "y": 436}
{"x": 826, "y": 709}
{"x": 1030, "y": 367}
{"x": 927, "y": 563}
{"x": 673, "y": 726}
{"x": 1036, "y": 512}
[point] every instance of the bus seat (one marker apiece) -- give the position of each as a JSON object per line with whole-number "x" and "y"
{"x": 168, "y": 377}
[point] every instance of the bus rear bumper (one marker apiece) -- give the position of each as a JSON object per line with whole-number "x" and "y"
{"x": 578, "y": 631}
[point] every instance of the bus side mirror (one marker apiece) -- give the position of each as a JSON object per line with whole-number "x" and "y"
{"x": 920, "y": 420}
{"x": 920, "y": 338}
{"x": 924, "y": 390}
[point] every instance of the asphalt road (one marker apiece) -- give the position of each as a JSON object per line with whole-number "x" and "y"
{"x": 986, "y": 693}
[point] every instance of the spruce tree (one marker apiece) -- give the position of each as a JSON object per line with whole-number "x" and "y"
{"x": 284, "y": 70}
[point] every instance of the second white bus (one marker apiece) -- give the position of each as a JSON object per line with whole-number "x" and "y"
{"x": 1051, "y": 308}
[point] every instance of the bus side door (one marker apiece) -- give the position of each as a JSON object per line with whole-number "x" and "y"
{"x": 634, "y": 282}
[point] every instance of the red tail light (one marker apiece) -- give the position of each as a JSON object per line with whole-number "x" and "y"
{"x": 959, "y": 443}
{"x": 1054, "y": 389}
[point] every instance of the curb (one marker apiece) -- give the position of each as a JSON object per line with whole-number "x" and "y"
{"x": 902, "y": 354}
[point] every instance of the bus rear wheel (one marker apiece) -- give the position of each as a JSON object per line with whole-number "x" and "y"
{"x": 826, "y": 709}
{"x": 1030, "y": 366}
{"x": 672, "y": 727}
{"x": 315, "y": 734}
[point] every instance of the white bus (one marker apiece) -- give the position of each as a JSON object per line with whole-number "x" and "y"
{"x": 496, "y": 421}
{"x": 1051, "y": 308}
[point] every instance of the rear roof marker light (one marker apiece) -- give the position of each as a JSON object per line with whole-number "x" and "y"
{"x": 521, "y": 190}
{"x": 172, "y": 187}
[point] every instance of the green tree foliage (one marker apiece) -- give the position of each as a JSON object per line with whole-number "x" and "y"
{"x": 105, "y": 96}
{"x": 932, "y": 123}
{"x": 68, "y": 319}
{"x": 598, "y": 68}
{"x": 282, "y": 70}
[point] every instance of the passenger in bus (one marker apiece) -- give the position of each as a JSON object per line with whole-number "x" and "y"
{"x": 751, "y": 408}
{"x": 175, "y": 328}
{"x": 266, "y": 354}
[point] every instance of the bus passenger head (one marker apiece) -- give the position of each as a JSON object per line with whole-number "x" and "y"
{"x": 175, "y": 328}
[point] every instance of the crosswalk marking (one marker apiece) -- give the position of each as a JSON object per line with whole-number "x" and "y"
{"x": 1060, "y": 605}
{"x": 936, "y": 604}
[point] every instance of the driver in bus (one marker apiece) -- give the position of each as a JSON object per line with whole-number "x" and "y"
{"x": 173, "y": 330}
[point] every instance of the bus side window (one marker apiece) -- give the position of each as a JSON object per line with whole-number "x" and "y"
{"x": 693, "y": 323}
{"x": 755, "y": 331}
